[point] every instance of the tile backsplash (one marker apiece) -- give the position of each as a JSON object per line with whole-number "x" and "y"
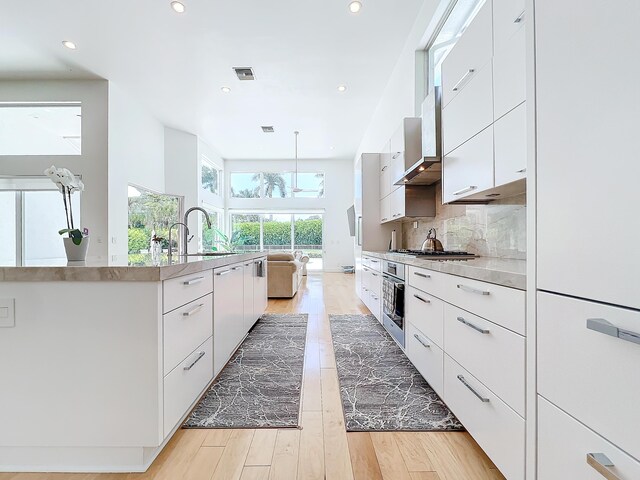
{"x": 494, "y": 230}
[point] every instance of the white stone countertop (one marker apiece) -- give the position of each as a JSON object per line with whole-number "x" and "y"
{"x": 500, "y": 271}
{"x": 142, "y": 270}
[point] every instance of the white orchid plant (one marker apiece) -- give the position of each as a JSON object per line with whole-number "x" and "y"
{"x": 68, "y": 184}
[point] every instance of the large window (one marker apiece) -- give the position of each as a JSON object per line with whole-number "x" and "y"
{"x": 211, "y": 176}
{"x": 149, "y": 213}
{"x": 210, "y": 239}
{"x": 280, "y": 231}
{"x": 276, "y": 185}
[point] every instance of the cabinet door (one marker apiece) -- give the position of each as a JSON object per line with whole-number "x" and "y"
{"x": 510, "y": 143}
{"x": 385, "y": 175}
{"x": 509, "y": 75}
{"x": 397, "y": 169}
{"x": 228, "y": 315}
{"x": 468, "y": 169}
{"x": 472, "y": 52}
{"x": 385, "y": 209}
{"x": 248, "y": 273}
{"x": 587, "y": 143}
{"x": 508, "y": 17}
{"x": 398, "y": 204}
{"x": 260, "y": 299}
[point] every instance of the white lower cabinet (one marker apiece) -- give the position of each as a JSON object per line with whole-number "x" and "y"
{"x": 569, "y": 450}
{"x": 260, "y": 299}
{"x": 247, "y": 290}
{"x": 184, "y": 384}
{"x": 425, "y": 312}
{"x": 228, "y": 316}
{"x": 426, "y": 356}
{"x": 497, "y": 428}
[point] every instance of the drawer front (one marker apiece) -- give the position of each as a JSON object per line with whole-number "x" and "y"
{"x": 509, "y": 75}
{"x": 563, "y": 446}
{"x": 375, "y": 264}
{"x": 426, "y": 313}
{"x": 375, "y": 282}
{"x": 470, "y": 112}
{"x": 376, "y": 305}
{"x": 472, "y": 52}
{"x": 591, "y": 375}
{"x": 497, "y": 428}
{"x": 366, "y": 262}
{"x": 428, "y": 281}
{"x": 468, "y": 169}
{"x": 502, "y": 305}
{"x": 426, "y": 356}
{"x": 185, "y": 328}
{"x": 508, "y": 17}
{"x": 510, "y": 145}
{"x": 186, "y": 382}
{"x": 494, "y": 355}
{"x": 179, "y": 291}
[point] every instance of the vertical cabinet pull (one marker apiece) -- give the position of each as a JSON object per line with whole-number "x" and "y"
{"x": 601, "y": 325}
{"x": 601, "y": 464}
{"x": 466, "y": 384}
{"x": 473, "y": 290}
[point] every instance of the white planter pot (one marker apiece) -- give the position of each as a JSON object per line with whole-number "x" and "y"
{"x": 76, "y": 253}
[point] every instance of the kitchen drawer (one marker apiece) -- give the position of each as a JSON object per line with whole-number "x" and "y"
{"x": 185, "y": 328}
{"x": 494, "y": 355}
{"x": 509, "y": 75}
{"x": 471, "y": 53}
{"x": 426, "y": 356}
{"x": 510, "y": 144}
{"x": 588, "y": 374}
{"x": 182, "y": 290}
{"x": 375, "y": 282}
{"x": 498, "y": 429}
{"x": 563, "y": 446}
{"x": 428, "y": 281}
{"x": 185, "y": 383}
{"x": 502, "y": 305}
{"x": 374, "y": 264}
{"x": 470, "y": 112}
{"x": 468, "y": 169}
{"x": 508, "y": 17}
{"x": 426, "y": 313}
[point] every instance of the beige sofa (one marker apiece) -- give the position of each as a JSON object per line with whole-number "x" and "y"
{"x": 286, "y": 271}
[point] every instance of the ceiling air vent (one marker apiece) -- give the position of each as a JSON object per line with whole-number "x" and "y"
{"x": 267, "y": 129}
{"x": 244, "y": 73}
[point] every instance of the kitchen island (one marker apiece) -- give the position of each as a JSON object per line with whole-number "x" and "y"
{"x": 101, "y": 363}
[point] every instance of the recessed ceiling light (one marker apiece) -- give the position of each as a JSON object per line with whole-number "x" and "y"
{"x": 69, "y": 44}
{"x": 178, "y": 7}
{"x": 355, "y": 6}
{"x": 332, "y": 148}
{"x": 342, "y": 88}
{"x": 226, "y": 89}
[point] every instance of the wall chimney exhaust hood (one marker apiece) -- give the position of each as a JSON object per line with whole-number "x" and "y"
{"x": 428, "y": 170}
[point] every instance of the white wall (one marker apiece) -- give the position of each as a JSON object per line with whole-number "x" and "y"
{"x": 338, "y": 198}
{"x": 136, "y": 156}
{"x": 92, "y": 164}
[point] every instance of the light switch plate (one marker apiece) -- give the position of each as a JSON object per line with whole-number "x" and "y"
{"x": 7, "y": 313}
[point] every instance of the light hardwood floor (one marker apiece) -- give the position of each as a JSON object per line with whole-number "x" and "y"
{"x": 321, "y": 449}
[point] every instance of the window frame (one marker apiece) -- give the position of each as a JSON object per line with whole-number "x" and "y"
{"x": 261, "y": 185}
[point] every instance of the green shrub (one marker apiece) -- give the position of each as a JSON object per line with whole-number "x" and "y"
{"x": 139, "y": 239}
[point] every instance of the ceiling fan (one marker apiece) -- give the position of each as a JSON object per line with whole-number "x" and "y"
{"x": 295, "y": 188}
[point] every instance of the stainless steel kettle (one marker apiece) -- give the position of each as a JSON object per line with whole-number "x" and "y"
{"x": 432, "y": 244}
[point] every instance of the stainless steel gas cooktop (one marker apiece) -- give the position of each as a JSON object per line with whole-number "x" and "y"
{"x": 435, "y": 255}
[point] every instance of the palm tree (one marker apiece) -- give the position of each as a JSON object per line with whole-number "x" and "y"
{"x": 245, "y": 193}
{"x": 271, "y": 181}
{"x": 320, "y": 184}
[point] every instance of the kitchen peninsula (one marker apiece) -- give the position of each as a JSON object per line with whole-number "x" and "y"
{"x": 108, "y": 360}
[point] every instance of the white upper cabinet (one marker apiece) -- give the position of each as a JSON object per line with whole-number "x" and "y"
{"x": 508, "y": 17}
{"x": 398, "y": 204}
{"x": 510, "y": 146}
{"x": 470, "y": 55}
{"x": 385, "y": 209}
{"x": 509, "y": 75}
{"x": 385, "y": 172}
{"x": 587, "y": 147}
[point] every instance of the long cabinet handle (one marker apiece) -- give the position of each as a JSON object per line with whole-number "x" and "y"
{"x": 519, "y": 18}
{"x": 601, "y": 464}
{"x": 466, "y": 384}
{"x": 193, "y": 311}
{"x": 193, "y": 281}
{"x": 374, "y": 261}
{"x": 424, "y": 300}
{"x": 475, "y": 327}
{"x": 419, "y": 338}
{"x": 374, "y": 274}
{"x": 603, "y": 326}
{"x": 468, "y": 189}
{"x": 384, "y": 168}
{"x": 396, "y": 155}
{"x": 522, "y": 170}
{"x": 464, "y": 78}
{"x": 423, "y": 275}
{"x": 473, "y": 290}
{"x": 224, "y": 272}
{"x": 190, "y": 366}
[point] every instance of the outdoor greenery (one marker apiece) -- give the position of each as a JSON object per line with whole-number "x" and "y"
{"x": 306, "y": 232}
{"x": 147, "y": 213}
{"x": 277, "y": 185}
{"x": 210, "y": 180}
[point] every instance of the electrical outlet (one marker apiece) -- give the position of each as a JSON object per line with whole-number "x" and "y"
{"x": 7, "y": 313}
{"x": 415, "y": 224}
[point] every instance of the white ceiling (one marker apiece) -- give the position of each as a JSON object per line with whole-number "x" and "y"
{"x": 301, "y": 50}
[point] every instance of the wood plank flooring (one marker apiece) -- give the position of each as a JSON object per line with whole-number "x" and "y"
{"x": 322, "y": 449}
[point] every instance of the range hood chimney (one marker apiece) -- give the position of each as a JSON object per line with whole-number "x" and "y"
{"x": 428, "y": 170}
